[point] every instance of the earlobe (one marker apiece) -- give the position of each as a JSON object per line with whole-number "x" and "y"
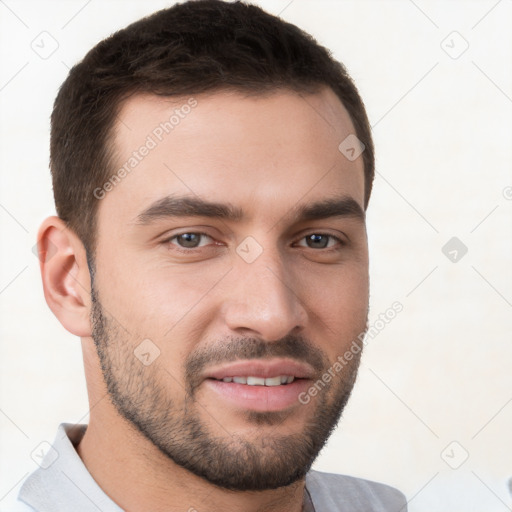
{"x": 65, "y": 275}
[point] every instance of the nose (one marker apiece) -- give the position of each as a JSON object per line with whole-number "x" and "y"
{"x": 264, "y": 300}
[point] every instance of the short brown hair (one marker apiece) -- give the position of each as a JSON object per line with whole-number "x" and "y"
{"x": 190, "y": 48}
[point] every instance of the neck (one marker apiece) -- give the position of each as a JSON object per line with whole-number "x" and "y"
{"x": 137, "y": 476}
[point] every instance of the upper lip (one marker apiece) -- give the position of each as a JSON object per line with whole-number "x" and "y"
{"x": 262, "y": 368}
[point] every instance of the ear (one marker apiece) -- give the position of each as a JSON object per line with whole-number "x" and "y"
{"x": 65, "y": 275}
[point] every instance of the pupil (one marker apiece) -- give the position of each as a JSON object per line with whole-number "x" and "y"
{"x": 317, "y": 241}
{"x": 189, "y": 240}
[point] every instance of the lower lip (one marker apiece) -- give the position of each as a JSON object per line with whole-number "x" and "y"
{"x": 259, "y": 398}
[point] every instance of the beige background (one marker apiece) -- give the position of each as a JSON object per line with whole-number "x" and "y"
{"x": 436, "y": 383}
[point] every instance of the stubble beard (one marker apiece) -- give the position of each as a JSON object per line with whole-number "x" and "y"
{"x": 264, "y": 460}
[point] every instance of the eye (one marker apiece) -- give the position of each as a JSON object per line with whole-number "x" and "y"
{"x": 319, "y": 241}
{"x": 190, "y": 240}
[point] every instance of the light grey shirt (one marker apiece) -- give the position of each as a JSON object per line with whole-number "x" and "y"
{"x": 63, "y": 484}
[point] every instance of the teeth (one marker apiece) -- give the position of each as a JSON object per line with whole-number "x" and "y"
{"x": 273, "y": 381}
{"x": 261, "y": 381}
{"x": 255, "y": 381}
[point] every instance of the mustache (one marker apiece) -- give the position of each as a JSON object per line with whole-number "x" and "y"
{"x": 232, "y": 349}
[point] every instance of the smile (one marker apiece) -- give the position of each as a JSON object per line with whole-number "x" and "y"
{"x": 260, "y": 381}
{"x": 259, "y": 384}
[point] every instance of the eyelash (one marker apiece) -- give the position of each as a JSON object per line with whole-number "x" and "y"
{"x": 168, "y": 241}
{"x": 177, "y": 247}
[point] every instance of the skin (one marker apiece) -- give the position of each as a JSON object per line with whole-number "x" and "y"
{"x": 266, "y": 156}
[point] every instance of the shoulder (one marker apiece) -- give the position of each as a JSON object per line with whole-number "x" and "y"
{"x": 11, "y": 503}
{"x": 334, "y": 492}
{"x": 16, "y": 506}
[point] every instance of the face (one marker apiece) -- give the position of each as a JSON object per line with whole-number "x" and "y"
{"x": 231, "y": 273}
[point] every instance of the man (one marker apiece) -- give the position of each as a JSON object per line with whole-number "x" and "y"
{"x": 212, "y": 166}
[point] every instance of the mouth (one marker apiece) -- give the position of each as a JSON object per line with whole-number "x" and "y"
{"x": 262, "y": 372}
{"x": 260, "y": 385}
{"x": 280, "y": 380}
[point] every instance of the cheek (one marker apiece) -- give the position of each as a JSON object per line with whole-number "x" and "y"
{"x": 340, "y": 303}
{"x": 153, "y": 298}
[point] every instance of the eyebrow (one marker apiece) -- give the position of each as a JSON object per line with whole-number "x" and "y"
{"x": 172, "y": 206}
{"x": 334, "y": 207}
{"x": 183, "y": 206}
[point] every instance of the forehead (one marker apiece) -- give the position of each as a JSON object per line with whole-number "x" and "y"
{"x": 264, "y": 154}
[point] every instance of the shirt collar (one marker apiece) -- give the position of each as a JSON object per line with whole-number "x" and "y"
{"x": 62, "y": 482}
